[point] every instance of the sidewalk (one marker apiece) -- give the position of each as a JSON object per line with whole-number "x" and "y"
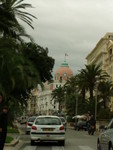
{"x": 9, "y": 146}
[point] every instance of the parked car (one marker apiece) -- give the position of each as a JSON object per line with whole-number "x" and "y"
{"x": 105, "y": 139}
{"x": 48, "y": 128}
{"x": 29, "y": 124}
{"x": 81, "y": 124}
{"x": 64, "y": 122}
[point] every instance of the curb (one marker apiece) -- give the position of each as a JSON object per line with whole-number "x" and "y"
{"x": 13, "y": 142}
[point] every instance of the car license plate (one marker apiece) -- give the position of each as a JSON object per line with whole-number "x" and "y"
{"x": 48, "y": 129}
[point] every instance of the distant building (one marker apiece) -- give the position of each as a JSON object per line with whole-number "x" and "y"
{"x": 102, "y": 54}
{"x": 32, "y": 102}
{"x": 45, "y": 103}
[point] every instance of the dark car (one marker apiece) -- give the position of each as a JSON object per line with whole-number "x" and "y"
{"x": 81, "y": 124}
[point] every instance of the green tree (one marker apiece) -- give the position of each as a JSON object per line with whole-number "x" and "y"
{"x": 105, "y": 92}
{"x": 9, "y": 11}
{"x": 71, "y": 104}
{"x": 58, "y": 96}
{"x": 74, "y": 89}
{"x": 81, "y": 83}
{"x": 90, "y": 73}
{"x": 38, "y": 56}
{"x": 19, "y": 74}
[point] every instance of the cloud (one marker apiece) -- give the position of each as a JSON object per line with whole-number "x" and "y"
{"x": 70, "y": 26}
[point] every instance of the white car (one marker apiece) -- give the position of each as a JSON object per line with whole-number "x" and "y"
{"x": 29, "y": 124}
{"x": 48, "y": 128}
{"x": 105, "y": 139}
{"x": 64, "y": 122}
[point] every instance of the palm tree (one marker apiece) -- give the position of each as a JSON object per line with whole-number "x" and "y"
{"x": 17, "y": 73}
{"x": 70, "y": 85}
{"x": 76, "y": 87}
{"x": 82, "y": 84}
{"x": 90, "y": 73}
{"x": 58, "y": 96}
{"x": 9, "y": 10}
{"x": 105, "y": 92}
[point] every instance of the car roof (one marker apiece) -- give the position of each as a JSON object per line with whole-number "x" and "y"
{"x": 42, "y": 116}
{"x": 62, "y": 117}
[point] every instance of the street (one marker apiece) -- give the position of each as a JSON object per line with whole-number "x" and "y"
{"x": 79, "y": 140}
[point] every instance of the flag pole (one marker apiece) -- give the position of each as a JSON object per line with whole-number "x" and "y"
{"x": 65, "y": 57}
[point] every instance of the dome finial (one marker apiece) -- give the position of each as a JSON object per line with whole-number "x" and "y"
{"x": 65, "y": 56}
{"x": 64, "y": 64}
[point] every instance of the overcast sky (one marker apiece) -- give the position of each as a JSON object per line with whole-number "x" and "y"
{"x": 70, "y": 26}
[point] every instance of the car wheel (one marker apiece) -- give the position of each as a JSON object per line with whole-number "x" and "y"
{"x": 62, "y": 143}
{"x": 32, "y": 142}
{"x": 78, "y": 128}
{"x": 98, "y": 146}
{"x": 27, "y": 132}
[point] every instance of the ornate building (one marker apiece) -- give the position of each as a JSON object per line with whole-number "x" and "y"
{"x": 45, "y": 103}
{"x": 102, "y": 54}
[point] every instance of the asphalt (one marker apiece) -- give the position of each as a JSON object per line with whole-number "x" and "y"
{"x": 16, "y": 138}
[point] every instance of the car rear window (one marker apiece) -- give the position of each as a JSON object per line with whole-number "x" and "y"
{"x": 63, "y": 120}
{"x": 31, "y": 119}
{"x": 48, "y": 121}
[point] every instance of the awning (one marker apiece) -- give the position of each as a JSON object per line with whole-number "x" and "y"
{"x": 79, "y": 117}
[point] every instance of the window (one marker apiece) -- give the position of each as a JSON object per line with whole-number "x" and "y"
{"x": 60, "y": 79}
{"x": 31, "y": 119}
{"x": 110, "y": 54}
{"x": 111, "y": 69}
{"x": 48, "y": 121}
{"x": 65, "y": 74}
{"x": 58, "y": 74}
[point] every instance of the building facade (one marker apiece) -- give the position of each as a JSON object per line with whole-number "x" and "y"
{"x": 102, "y": 55}
{"x": 45, "y": 102}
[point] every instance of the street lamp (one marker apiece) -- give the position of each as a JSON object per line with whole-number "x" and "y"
{"x": 97, "y": 83}
{"x": 76, "y": 100}
{"x": 46, "y": 108}
{"x": 65, "y": 101}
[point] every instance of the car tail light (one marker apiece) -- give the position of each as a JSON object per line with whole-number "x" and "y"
{"x": 26, "y": 123}
{"x": 34, "y": 128}
{"x": 61, "y": 128}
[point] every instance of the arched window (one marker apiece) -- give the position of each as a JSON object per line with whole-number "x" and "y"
{"x": 65, "y": 74}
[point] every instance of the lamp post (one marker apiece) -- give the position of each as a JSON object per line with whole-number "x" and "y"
{"x": 97, "y": 83}
{"x": 46, "y": 108}
{"x": 65, "y": 101}
{"x": 76, "y": 111}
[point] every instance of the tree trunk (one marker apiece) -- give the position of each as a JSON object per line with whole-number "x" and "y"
{"x": 83, "y": 95}
{"x": 104, "y": 102}
{"x": 91, "y": 94}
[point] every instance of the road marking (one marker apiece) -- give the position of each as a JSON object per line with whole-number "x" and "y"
{"x": 57, "y": 148}
{"x": 85, "y": 148}
{"x": 30, "y": 147}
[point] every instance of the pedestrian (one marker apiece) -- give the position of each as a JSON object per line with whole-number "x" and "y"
{"x": 3, "y": 126}
{"x": 1, "y": 103}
